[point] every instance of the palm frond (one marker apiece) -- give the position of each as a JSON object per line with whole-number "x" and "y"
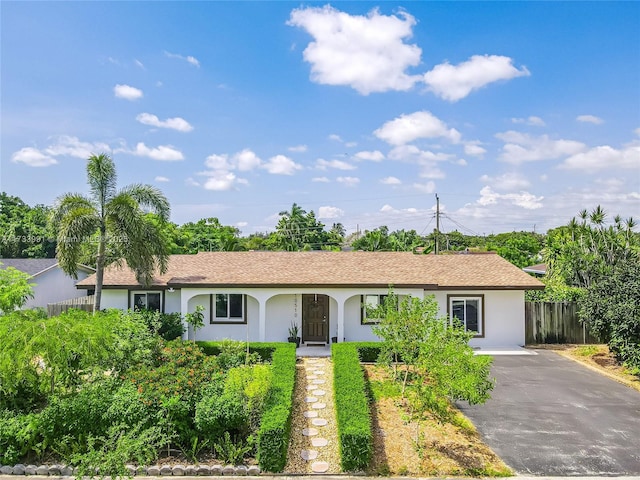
{"x": 102, "y": 178}
{"x": 67, "y": 203}
{"x": 149, "y": 197}
{"x": 76, "y": 228}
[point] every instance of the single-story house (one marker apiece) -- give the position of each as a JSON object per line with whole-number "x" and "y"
{"x": 52, "y": 285}
{"x": 259, "y": 295}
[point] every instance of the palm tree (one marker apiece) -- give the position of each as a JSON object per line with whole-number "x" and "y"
{"x": 116, "y": 221}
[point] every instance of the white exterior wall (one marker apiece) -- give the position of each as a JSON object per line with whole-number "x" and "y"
{"x": 503, "y": 316}
{"x": 115, "y": 298}
{"x": 54, "y": 286}
{"x": 270, "y": 312}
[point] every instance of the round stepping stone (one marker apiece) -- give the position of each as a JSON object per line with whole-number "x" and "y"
{"x": 319, "y": 467}
{"x": 319, "y": 422}
{"x": 319, "y": 442}
{"x": 317, "y": 381}
{"x": 309, "y": 432}
{"x": 310, "y": 399}
{"x": 309, "y": 454}
{"x": 310, "y": 414}
{"x": 311, "y": 387}
{"x": 318, "y": 372}
{"x": 311, "y": 377}
{"x": 318, "y": 393}
{"x": 318, "y": 406}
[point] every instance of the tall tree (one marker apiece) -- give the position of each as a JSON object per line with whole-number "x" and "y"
{"x": 115, "y": 222}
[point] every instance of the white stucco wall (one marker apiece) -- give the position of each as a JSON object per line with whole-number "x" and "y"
{"x": 114, "y": 298}
{"x": 54, "y": 286}
{"x": 503, "y": 312}
{"x": 503, "y": 316}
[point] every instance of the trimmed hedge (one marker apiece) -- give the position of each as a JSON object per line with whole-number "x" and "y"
{"x": 352, "y": 407}
{"x": 264, "y": 349}
{"x": 368, "y": 351}
{"x": 275, "y": 425}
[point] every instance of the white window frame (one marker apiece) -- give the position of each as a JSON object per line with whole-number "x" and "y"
{"x": 464, "y": 298}
{"x": 215, "y": 319}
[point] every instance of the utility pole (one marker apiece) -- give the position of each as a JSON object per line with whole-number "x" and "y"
{"x": 437, "y": 222}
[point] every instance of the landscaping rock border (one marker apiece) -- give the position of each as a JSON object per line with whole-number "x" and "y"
{"x": 152, "y": 470}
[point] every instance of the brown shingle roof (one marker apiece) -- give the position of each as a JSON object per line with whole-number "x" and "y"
{"x": 330, "y": 269}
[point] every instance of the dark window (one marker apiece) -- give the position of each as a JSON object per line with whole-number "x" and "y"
{"x": 468, "y": 311}
{"x": 371, "y": 302}
{"x": 148, "y": 301}
{"x": 229, "y": 307}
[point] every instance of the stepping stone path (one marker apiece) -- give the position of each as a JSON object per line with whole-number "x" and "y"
{"x": 315, "y": 375}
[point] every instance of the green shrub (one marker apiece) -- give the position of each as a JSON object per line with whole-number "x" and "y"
{"x": 18, "y": 436}
{"x": 220, "y": 410}
{"x": 275, "y": 426}
{"x": 68, "y": 422}
{"x": 263, "y": 349}
{"x": 368, "y": 351}
{"x": 168, "y": 325}
{"x": 352, "y": 408}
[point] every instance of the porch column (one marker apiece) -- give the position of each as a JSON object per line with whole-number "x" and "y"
{"x": 340, "y": 302}
{"x": 184, "y": 309}
{"x": 262, "y": 318}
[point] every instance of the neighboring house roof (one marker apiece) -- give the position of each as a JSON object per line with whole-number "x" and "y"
{"x": 35, "y": 266}
{"x": 539, "y": 269}
{"x": 329, "y": 269}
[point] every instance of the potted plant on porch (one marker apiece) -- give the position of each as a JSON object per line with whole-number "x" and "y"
{"x": 293, "y": 334}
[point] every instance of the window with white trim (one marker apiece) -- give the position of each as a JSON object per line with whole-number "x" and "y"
{"x": 469, "y": 310}
{"x": 228, "y": 308}
{"x": 371, "y": 302}
{"x": 147, "y": 301}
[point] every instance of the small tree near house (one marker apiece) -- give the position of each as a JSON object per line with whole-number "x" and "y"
{"x": 438, "y": 362}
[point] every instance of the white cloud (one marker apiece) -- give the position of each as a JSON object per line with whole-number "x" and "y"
{"x": 192, "y": 60}
{"x": 176, "y": 123}
{"x": 454, "y": 82}
{"x": 330, "y": 212}
{"x": 337, "y": 164}
{"x": 335, "y": 137}
{"x": 522, "y": 147}
{"x": 218, "y": 162}
{"x": 33, "y": 157}
{"x": 407, "y": 128}
{"x": 474, "y": 149}
{"x": 74, "y": 147}
{"x": 507, "y": 181}
{"x": 525, "y": 200}
{"x": 127, "y": 92}
{"x": 589, "y": 119}
{"x": 367, "y": 53}
{"x": 246, "y": 160}
{"x": 411, "y": 153}
{"x": 164, "y": 153}
{"x": 348, "y": 181}
{"x": 637, "y": 131}
{"x": 532, "y": 121}
{"x": 298, "y": 148}
{"x": 191, "y": 182}
{"x": 161, "y": 179}
{"x": 241, "y": 224}
{"x": 350, "y": 144}
{"x": 281, "y": 165}
{"x": 428, "y": 187}
{"x": 604, "y": 157}
{"x": 220, "y": 181}
{"x": 320, "y": 179}
{"x": 139, "y": 63}
{"x": 374, "y": 156}
{"x": 391, "y": 181}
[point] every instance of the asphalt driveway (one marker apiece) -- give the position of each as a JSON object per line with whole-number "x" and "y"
{"x": 551, "y": 416}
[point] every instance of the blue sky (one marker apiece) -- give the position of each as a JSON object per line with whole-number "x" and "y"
{"x": 517, "y": 114}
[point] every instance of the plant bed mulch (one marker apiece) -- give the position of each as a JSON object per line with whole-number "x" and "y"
{"x": 596, "y": 357}
{"x": 404, "y": 445}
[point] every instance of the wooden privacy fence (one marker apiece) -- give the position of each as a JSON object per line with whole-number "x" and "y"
{"x": 555, "y": 322}
{"x": 80, "y": 303}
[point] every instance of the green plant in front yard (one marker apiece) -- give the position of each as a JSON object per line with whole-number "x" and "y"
{"x": 15, "y": 289}
{"x": 352, "y": 408}
{"x": 438, "y": 361}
